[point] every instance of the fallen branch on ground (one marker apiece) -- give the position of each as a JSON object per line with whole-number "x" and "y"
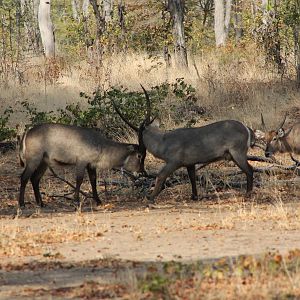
{"x": 262, "y": 159}
{"x": 67, "y": 182}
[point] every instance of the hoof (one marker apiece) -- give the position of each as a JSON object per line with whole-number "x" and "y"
{"x": 150, "y": 198}
{"x": 76, "y": 205}
{"x": 194, "y": 197}
{"x": 248, "y": 195}
{"x": 151, "y": 205}
{"x": 150, "y": 201}
{"x": 98, "y": 202}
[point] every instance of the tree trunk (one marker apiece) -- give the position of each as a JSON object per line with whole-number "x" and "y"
{"x": 29, "y": 12}
{"x": 238, "y": 20}
{"x": 75, "y": 10}
{"x": 107, "y": 10}
{"x": 100, "y": 24}
{"x": 85, "y": 8}
{"x": 121, "y": 14}
{"x": 264, "y": 4}
{"x": 297, "y": 52}
{"x": 85, "y": 15}
{"x": 46, "y": 28}
{"x": 176, "y": 8}
{"x": 269, "y": 31}
{"x": 222, "y": 21}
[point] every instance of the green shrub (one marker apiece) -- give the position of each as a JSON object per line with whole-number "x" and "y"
{"x": 100, "y": 113}
{"x": 6, "y": 133}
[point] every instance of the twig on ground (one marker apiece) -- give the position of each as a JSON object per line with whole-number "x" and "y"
{"x": 67, "y": 182}
{"x": 297, "y": 162}
{"x": 261, "y": 159}
{"x": 275, "y": 168}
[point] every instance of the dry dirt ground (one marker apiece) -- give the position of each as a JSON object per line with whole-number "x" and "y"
{"x": 57, "y": 247}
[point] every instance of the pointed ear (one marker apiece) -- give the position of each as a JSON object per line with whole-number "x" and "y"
{"x": 260, "y": 135}
{"x": 131, "y": 148}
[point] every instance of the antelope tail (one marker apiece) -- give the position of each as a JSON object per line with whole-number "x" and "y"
{"x": 22, "y": 150}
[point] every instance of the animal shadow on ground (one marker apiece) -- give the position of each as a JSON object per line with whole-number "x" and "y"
{"x": 118, "y": 192}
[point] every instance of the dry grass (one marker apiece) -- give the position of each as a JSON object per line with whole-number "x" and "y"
{"x": 19, "y": 239}
{"x": 233, "y": 83}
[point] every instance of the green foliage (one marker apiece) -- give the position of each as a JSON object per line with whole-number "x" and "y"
{"x": 100, "y": 113}
{"x": 182, "y": 89}
{"x": 37, "y": 117}
{"x": 6, "y": 132}
{"x": 290, "y": 11}
{"x": 155, "y": 283}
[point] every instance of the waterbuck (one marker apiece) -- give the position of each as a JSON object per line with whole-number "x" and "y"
{"x": 282, "y": 140}
{"x": 186, "y": 147}
{"x": 47, "y": 145}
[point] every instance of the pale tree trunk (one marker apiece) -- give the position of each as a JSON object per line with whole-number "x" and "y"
{"x": 222, "y": 21}
{"x": 176, "y": 8}
{"x": 46, "y": 27}
{"x": 220, "y": 34}
{"x": 85, "y": 8}
{"x": 228, "y": 5}
{"x": 264, "y": 4}
{"x": 75, "y": 10}
{"x": 107, "y": 10}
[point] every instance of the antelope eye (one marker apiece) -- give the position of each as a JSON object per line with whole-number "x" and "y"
{"x": 139, "y": 156}
{"x": 274, "y": 138}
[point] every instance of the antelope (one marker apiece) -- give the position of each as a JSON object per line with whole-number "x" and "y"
{"x": 186, "y": 147}
{"x": 49, "y": 145}
{"x": 282, "y": 140}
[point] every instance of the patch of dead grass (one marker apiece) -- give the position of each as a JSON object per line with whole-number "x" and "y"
{"x": 25, "y": 240}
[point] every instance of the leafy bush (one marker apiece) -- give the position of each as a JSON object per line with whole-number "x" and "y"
{"x": 37, "y": 117}
{"x": 6, "y": 132}
{"x": 100, "y": 112}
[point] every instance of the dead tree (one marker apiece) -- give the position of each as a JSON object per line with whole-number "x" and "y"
{"x": 46, "y": 28}
{"x": 176, "y": 9}
{"x": 222, "y": 21}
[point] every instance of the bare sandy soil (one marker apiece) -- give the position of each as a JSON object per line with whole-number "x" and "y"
{"x": 57, "y": 247}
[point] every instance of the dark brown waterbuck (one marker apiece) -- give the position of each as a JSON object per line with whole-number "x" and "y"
{"x": 281, "y": 140}
{"x": 48, "y": 145}
{"x": 186, "y": 147}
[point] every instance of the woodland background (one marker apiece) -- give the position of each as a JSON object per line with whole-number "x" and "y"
{"x": 208, "y": 59}
{"x": 200, "y": 61}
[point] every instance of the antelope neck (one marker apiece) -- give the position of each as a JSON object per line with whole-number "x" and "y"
{"x": 152, "y": 139}
{"x": 286, "y": 145}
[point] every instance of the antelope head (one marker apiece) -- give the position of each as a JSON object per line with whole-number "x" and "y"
{"x": 139, "y": 130}
{"x": 275, "y": 139}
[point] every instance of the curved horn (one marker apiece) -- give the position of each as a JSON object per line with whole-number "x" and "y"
{"x": 282, "y": 123}
{"x": 263, "y": 122}
{"x": 123, "y": 117}
{"x": 148, "y": 114}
